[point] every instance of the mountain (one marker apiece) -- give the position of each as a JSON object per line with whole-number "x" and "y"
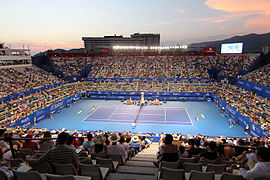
{"x": 79, "y": 50}
{"x": 253, "y": 43}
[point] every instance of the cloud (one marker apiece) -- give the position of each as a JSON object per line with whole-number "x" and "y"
{"x": 258, "y": 11}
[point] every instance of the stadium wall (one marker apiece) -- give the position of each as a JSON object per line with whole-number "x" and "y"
{"x": 257, "y": 88}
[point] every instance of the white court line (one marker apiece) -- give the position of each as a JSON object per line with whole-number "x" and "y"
{"x": 91, "y": 113}
{"x": 142, "y": 114}
{"x": 105, "y": 120}
{"x": 165, "y": 113}
{"x": 112, "y": 113}
{"x": 149, "y": 122}
{"x": 189, "y": 117}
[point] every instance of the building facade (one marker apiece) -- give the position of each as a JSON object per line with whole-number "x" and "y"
{"x": 107, "y": 42}
{"x": 14, "y": 57}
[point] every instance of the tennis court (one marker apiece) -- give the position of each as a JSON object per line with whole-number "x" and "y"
{"x": 172, "y": 117}
{"x": 144, "y": 115}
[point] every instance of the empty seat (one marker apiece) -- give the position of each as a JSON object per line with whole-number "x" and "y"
{"x": 192, "y": 166}
{"x": 100, "y": 155}
{"x": 116, "y": 157}
{"x": 197, "y": 175}
{"x": 173, "y": 165}
{"x": 217, "y": 168}
{"x": 3, "y": 175}
{"x": 94, "y": 171}
{"x": 171, "y": 174}
{"x": 59, "y": 177}
{"x": 85, "y": 160}
{"x": 42, "y": 168}
{"x": 15, "y": 162}
{"x": 122, "y": 176}
{"x": 27, "y": 152}
{"x": 183, "y": 160}
{"x": 30, "y": 175}
{"x": 64, "y": 169}
{"x": 83, "y": 154}
{"x": 108, "y": 163}
{"x": 138, "y": 170}
{"x": 228, "y": 176}
{"x": 140, "y": 163}
{"x": 20, "y": 155}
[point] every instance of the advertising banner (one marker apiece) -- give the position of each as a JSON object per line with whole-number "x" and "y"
{"x": 43, "y": 113}
{"x": 175, "y": 80}
{"x": 254, "y": 130}
{"x": 257, "y": 88}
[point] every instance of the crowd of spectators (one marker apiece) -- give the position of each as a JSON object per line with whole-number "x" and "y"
{"x": 70, "y": 66}
{"x": 251, "y": 153}
{"x": 252, "y": 106}
{"x": 260, "y": 76}
{"x": 15, "y": 109}
{"x": 232, "y": 65}
{"x": 152, "y": 67}
{"x": 17, "y": 80}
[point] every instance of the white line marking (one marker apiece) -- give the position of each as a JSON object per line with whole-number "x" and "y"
{"x": 165, "y": 115}
{"x": 112, "y": 113}
{"x": 90, "y": 113}
{"x": 189, "y": 117}
{"x": 149, "y": 122}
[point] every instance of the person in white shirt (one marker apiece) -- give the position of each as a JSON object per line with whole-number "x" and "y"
{"x": 262, "y": 167}
{"x": 115, "y": 148}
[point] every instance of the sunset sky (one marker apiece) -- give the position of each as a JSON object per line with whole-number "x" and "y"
{"x": 50, "y": 24}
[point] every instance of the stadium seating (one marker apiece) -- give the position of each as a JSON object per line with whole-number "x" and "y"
{"x": 16, "y": 80}
{"x": 259, "y": 76}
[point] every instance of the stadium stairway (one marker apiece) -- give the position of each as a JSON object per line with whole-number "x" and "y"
{"x": 140, "y": 167}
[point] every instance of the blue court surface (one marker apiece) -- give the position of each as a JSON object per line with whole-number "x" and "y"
{"x": 172, "y": 117}
{"x": 147, "y": 115}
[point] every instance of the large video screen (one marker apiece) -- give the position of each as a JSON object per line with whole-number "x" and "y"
{"x": 231, "y": 48}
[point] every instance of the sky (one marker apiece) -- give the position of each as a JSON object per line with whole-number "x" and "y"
{"x": 51, "y": 24}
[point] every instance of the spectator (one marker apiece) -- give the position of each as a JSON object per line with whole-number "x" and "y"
{"x": 29, "y": 144}
{"x": 169, "y": 152}
{"x": 262, "y": 167}
{"x": 115, "y": 148}
{"x": 211, "y": 154}
{"x": 99, "y": 147}
{"x": 89, "y": 143}
{"x": 61, "y": 154}
{"x": 46, "y": 144}
{"x": 5, "y": 166}
{"x": 135, "y": 144}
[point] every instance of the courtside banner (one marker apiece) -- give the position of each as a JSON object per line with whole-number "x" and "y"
{"x": 254, "y": 130}
{"x": 175, "y": 80}
{"x": 45, "y": 112}
{"x": 257, "y": 88}
{"x": 146, "y": 94}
